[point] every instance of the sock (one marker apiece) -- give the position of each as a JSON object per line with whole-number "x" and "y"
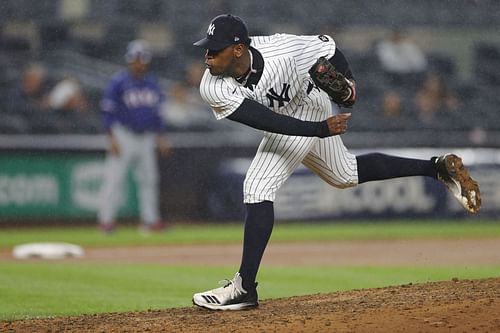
{"x": 258, "y": 228}
{"x": 378, "y": 166}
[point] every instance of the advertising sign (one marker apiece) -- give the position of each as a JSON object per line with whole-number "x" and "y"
{"x": 56, "y": 186}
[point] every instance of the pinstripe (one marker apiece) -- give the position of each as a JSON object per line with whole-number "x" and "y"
{"x": 277, "y": 158}
{"x": 268, "y": 179}
{"x": 256, "y": 168}
{"x": 286, "y": 88}
{"x": 338, "y": 173}
{"x": 340, "y": 158}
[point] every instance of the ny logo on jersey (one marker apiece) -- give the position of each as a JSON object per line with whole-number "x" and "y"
{"x": 211, "y": 29}
{"x": 281, "y": 98}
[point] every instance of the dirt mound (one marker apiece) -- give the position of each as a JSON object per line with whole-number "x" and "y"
{"x": 449, "y": 306}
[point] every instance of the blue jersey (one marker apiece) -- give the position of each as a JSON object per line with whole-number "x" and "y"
{"x": 134, "y": 103}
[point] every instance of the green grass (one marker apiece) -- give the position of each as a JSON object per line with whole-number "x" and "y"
{"x": 31, "y": 290}
{"x": 51, "y": 288}
{"x": 232, "y": 233}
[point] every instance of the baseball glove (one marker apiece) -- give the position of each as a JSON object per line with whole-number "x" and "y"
{"x": 335, "y": 84}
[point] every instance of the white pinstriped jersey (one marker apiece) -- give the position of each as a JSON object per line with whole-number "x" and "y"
{"x": 285, "y": 87}
{"x": 287, "y": 59}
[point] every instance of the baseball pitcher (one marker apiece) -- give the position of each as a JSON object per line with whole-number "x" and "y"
{"x": 283, "y": 85}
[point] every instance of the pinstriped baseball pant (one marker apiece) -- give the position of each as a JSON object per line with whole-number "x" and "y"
{"x": 279, "y": 155}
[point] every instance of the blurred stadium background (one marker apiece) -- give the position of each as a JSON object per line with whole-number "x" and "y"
{"x": 51, "y": 161}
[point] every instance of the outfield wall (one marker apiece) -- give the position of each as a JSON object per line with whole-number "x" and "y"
{"x": 205, "y": 184}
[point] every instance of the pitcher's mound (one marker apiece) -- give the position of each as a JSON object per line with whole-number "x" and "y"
{"x": 449, "y": 306}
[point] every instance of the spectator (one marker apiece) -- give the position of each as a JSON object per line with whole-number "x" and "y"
{"x": 400, "y": 57}
{"x": 434, "y": 98}
{"x": 183, "y": 109}
{"x": 30, "y": 94}
{"x": 393, "y": 114}
{"x": 194, "y": 73}
{"x": 70, "y": 111}
{"x": 26, "y": 102}
{"x": 67, "y": 95}
{"x": 392, "y": 105}
{"x": 131, "y": 106}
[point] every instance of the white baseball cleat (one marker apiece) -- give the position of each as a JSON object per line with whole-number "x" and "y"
{"x": 456, "y": 177}
{"x": 231, "y": 296}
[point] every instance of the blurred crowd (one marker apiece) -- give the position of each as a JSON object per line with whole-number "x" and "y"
{"x": 36, "y": 104}
{"x": 409, "y": 94}
{"x": 402, "y": 85}
{"x": 429, "y": 98}
{"x": 412, "y": 89}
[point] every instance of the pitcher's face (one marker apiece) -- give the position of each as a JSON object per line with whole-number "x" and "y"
{"x": 223, "y": 62}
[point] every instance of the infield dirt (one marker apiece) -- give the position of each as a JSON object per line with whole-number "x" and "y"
{"x": 447, "y": 306}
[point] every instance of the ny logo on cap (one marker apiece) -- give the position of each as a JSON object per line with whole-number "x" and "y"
{"x": 211, "y": 29}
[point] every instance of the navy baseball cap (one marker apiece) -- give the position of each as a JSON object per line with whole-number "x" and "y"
{"x": 224, "y": 30}
{"x": 138, "y": 49}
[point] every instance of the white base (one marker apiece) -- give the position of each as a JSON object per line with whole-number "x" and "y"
{"x": 47, "y": 251}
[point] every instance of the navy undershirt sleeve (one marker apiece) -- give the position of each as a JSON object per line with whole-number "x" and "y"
{"x": 258, "y": 116}
{"x": 341, "y": 64}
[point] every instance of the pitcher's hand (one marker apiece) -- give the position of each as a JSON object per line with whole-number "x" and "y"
{"x": 338, "y": 124}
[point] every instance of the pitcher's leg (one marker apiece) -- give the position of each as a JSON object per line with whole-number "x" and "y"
{"x": 333, "y": 163}
{"x": 259, "y": 223}
{"x": 276, "y": 159}
{"x": 448, "y": 169}
{"x": 377, "y": 166}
